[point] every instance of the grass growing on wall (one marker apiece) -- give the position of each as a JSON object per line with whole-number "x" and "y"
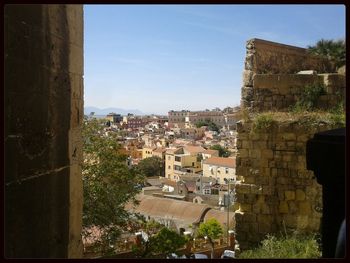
{"x": 262, "y": 122}
{"x": 294, "y": 246}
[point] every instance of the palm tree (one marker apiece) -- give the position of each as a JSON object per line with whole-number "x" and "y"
{"x": 331, "y": 49}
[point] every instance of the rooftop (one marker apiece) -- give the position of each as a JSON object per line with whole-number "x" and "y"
{"x": 220, "y": 161}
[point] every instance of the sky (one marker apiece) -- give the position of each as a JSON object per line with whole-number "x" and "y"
{"x": 157, "y": 58}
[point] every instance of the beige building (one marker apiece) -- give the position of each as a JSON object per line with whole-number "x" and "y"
{"x": 222, "y": 169}
{"x": 147, "y": 152}
{"x": 177, "y": 116}
{"x": 159, "y": 152}
{"x": 185, "y": 160}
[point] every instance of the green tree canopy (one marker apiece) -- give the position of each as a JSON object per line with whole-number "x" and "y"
{"x": 152, "y": 166}
{"x": 211, "y": 125}
{"x": 167, "y": 241}
{"x": 223, "y": 152}
{"x": 158, "y": 242}
{"x": 330, "y": 49}
{"x": 212, "y": 230}
{"x": 108, "y": 184}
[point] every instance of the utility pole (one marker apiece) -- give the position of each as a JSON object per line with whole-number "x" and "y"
{"x": 228, "y": 210}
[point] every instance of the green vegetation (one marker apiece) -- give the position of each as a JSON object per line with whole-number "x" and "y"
{"x": 211, "y": 125}
{"x": 211, "y": 230}
{"x": 158, "y": 242}
{"x": 309, "y": 98}
{"x": 330, "y": 49}
{"x": 294, "y": 246}
{"x": 152, "y": 166}
{"x": 263, "y": 121}
{"x": 223, "y": 152}
{"x": 108, "y": 184}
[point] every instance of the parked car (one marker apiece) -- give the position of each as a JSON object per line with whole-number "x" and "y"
{"x": 199, "y": 256}
{"x": 228, "y": 254}
{"x": 175, "y": 256}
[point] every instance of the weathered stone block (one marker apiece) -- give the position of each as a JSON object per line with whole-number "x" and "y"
{"x": 249, "y": 180}
{"x": 243, "y": 153}
{"x": 255, "y": 153}
{"x": 267, "y": 153}
{"x": 283, "y": 207}
{"x": 248, "y": 78}
{"x": 289, "y": 195}
{"x": 304, "y": 208}
{"x": 253, "y": 228}
{"x": 256, "y": 189}
{"x": 249, "y": 217}
{"x": 299, "y": 195}
{"x": 264, "y": 228}
{"x": 267, "y": 190}
{"x": 243, "y": 188}
{"x": 262, "y": 180}
{"x": 245, "y": 207}
{"x": 246, "y": 144}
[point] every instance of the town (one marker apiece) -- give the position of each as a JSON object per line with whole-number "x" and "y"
{"x": 172, "y": 167}
{"x": 194, "y": 154}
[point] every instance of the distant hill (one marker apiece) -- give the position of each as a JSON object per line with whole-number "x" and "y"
{"x": 98, "y": 111}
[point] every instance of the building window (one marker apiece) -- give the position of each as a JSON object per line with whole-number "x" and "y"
{"x": 226, "y": 170}
{"x": 177, "y": 159}
{"x": 207, "y": 191}
{"x": 169, "y": 167}
{"x": 169, "y": 158}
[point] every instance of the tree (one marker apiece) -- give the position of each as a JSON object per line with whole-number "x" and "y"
{"x": 167, "y": 241}
{"x": 211, "y": 125}
{"x": 157, "y": 240}
{"x": 330, "y": 49}
{"x": 108, "y": 184}
{"x": 211, "y": 230}
{"x": 223, "y": 152}
{"x": 152, "y": 166}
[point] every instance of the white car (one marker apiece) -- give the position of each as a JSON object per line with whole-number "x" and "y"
{"x": 199, "y": 256}
{"x": 228, "y": 254}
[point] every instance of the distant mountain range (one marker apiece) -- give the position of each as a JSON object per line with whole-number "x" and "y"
{"x": 98, "y": 111}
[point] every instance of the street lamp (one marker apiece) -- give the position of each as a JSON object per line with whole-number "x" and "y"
{"x": 228, "y": 208}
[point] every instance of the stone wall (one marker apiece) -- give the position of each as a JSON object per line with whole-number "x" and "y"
{"x": 281, "y": 91}
{"x": 275, "y": 191}
{"x": 265, "y": 57}
{"x": 43, "y": 117}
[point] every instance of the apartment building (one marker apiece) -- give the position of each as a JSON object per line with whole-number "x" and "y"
{"x": 184, "y": 160}
{"x": 114, "y": 118}
{"x": 147, "y": 152}
{"x": 222, "y": 169}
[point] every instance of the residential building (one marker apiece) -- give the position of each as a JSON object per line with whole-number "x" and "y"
{"x": 177, "y": 116}
{"x": 147, "y": 152}
{"x": 192, "y": 133}
{"x": 114, "y": 118}
{"x": 222, "y": 169}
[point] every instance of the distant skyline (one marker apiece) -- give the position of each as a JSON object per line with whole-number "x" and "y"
{"x": 157, "y": 58}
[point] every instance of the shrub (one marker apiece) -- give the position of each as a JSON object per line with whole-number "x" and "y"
{"x": 263, "y": 122}
{"x": 294, "y": 246}
{"x": 309, "y": 97}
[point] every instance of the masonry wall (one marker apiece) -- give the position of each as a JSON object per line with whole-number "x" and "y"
{"x": 265, "y": 57}
{"x": 275, "y": 191}
{"x": 279, "y": 92}
{"x": 43, "y": 116}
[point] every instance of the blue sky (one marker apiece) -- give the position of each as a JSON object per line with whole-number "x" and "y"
{"x": 161, "y": 57}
